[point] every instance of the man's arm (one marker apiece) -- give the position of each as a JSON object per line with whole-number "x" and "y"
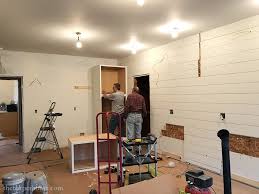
{"x": 144, "y": 108}
{"x": 108, "y": 96}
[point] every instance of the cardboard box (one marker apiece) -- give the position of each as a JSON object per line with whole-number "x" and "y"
{"x": 165, "y": 184}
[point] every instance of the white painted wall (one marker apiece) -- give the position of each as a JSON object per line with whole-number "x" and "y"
{"x": 229, "y": 83}
{"x": 58, "y": 75}
{"x": 8, "y": 91}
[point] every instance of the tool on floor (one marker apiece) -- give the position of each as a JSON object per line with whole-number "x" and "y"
{"x": 93, "y": 191}
{"x": 47, "y": 129}
{"x": 224, "y": 136}
{"x": 120, "y": 177}
{"x": 198, "y": 182}
{"x": 113, "y": 170}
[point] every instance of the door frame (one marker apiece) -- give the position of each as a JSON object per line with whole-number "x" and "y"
{"x": 141, "y": 75}
{"x": 20, "y": 103}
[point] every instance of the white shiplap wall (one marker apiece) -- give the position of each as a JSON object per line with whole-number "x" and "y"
{"x": 229, "y": 83}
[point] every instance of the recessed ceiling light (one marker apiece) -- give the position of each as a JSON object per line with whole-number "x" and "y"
{"x": 175, "y": 28}
{"x": 134, "y": 46}
{"x": 174, "y": 33}
{"x": 78, "y": 42}
{"x": 141, "y": 2}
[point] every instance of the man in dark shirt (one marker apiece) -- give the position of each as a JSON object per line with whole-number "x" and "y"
{"x": 135, "y": 110}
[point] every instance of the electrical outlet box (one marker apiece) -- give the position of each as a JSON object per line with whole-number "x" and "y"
{"x": 223, "y": 116}
{"x": 171, "y": 111}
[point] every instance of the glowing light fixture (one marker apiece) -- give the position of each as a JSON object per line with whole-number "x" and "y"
{"x": 256, "y": 2}
{"x": 141, "y": 2}
{"x": 78, "y": 42}
{"x": 174, "y": 33}
{"x": 175, "y": 28}
{"x": 134, "y": 46}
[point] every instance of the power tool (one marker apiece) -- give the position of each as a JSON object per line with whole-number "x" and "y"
{"x": 198, "y": 182}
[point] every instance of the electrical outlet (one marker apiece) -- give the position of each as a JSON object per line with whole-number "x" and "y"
{"x": 223, "y": 116}
{"x": 171, "y": 111}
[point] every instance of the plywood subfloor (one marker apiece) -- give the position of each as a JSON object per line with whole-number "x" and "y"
{"x": 60, "y": 179}
{"x": 11, "y": 154}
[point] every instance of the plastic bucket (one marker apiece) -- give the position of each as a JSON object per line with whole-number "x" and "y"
{"x": 13, "y": 183}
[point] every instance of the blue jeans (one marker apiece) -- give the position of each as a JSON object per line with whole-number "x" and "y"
{"x": 134, "y": 125}
{"x": 114, "y": 123}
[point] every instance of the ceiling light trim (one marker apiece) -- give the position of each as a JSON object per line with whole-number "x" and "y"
{"x": 134, "y": 46}
{"x": 175, "y": 27}
{"x": 141, "y": 2}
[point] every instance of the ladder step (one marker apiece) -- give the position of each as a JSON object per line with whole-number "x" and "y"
{"x": 41, "y": 139}
{"x": 36, "y": 150}
{"x": 47, "y": 128}
{"x": 112, "y": 182}
{"x": 54, "y": 114}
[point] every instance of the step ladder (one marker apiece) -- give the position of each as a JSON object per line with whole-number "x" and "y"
{"x": 47, "y": 129}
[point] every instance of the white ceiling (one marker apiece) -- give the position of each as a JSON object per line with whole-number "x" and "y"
{"x": 48, "y": 26}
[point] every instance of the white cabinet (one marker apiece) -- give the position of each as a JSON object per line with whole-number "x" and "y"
{"x": 83, "y": 152}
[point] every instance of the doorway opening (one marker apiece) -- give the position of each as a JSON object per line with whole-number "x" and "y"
{"x": 144, "y": 89}
{"x": 11, "y": 122}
